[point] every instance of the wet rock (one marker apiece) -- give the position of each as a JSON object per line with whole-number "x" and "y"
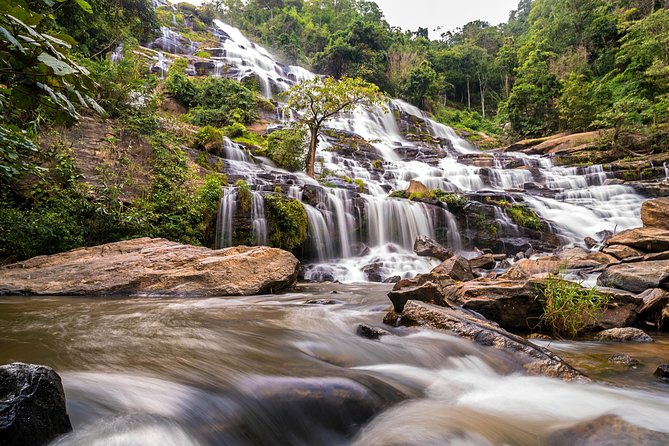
{"x": 643, "y": 239}
{"x": 511, "y": 304}
{"x": 32, "y": 405}
{"x": 590, "y": 242}
{"x": 155, "y": 267}
{"x": 636, "y": 277}
{"x": 654, "y": 299}
{"x": 623, "y": 359}
{"x": 425, "y": 292}
{"x": 485, "y": 261}
{"x": 426, "y": 247}
{"x": 324, "y": 302}
{"x": 374, "y": 272}
{"x": 534, "y": 359}
{"x": 625, "y": 334}
{"x": 392, "y": 279}
{"x": 662, "y": 372}
{"x": 539, "y": 336}
{"x": 371, "y": 332}
{"x": 621, "y": 310}
{"x": 457, "y": 268}
{"x": 621, "y": 252}
{"x": 655, "y": 213}
{"x": 608, "y": 430}
{"x": 526, "y": 268}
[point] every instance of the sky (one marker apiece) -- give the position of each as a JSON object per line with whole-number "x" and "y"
{"x": 448, "y": 14}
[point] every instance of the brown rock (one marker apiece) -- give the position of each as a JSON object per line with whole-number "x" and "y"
{"x": 621, "y": 252}
{"x": 485, "y": 261}
{"x": 635, "y": 277}
{"x": 512, "y": 304}
{"x": 624, "y": 334}
{"x": 526, "y": 268}
{"x": 457, "y": 268}
{"x": 654, "y": 299}
{"x": 655, "y": 213}
{"x": 590, "y": 242}
{"x": 643, "y": 239}
{"x": 536, "y": 360}
{"x": 425, "y": 292}
{"x": 426, "y": 247}
{"x": 417, "y": 187}
{"x": 607, "y": 430}
{"x": 576, "y": 258}
{"x": 153, "y": 266}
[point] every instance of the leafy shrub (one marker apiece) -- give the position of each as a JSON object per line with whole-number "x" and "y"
{"x": 209, "y": 138}
{"x": 288, "y": 221}
{"x": 229, "y": 96}
{"x": 568, "y": 307}
{"x": 244, "y": 197}
{"x": 287, "y": 148}
{"x": 455, "y": 202}
{"x": 182, "y": 89}
{"x": 235, "y": 130}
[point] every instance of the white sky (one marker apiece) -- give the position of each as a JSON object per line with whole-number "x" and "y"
{"x": 449, "y": 14}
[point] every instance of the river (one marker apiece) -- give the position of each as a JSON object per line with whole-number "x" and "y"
{"x": 278, "y": 370}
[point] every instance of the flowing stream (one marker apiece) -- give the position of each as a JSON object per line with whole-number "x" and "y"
{"x": 276, "y": 370}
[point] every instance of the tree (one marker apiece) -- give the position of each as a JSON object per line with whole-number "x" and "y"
{"x": 321, "y": 99}
{"x": 421, "y": 84}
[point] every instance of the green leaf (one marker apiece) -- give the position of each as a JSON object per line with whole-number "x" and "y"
{"x": 59, "y": 67}
{"x": 12, "y": 39}
{"x": 85, "y": 6}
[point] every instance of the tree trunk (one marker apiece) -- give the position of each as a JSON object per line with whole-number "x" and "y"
{"x": 311, "y": 157}
{"x": 482, "y": 90}
{"x": 469, "y": 96}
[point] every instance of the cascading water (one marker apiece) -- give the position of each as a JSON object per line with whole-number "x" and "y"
{"x": 260, "y": 231}
{"x": 354, "y": 226}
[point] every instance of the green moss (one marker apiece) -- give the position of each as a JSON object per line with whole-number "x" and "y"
{"x": 525, "y": 217}
{"x": 203, "y": 54}
{"x": 244, "y": 197}
{"x": 360, "y": 183}
{"x": 377, "y": 164}
{"x": 288, "y": 221}
{"x": 398, "y": 194}
{"x": 456, "y": 202}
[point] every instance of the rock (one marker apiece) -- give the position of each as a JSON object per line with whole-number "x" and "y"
{"x": 643, "y": 239}
{"x": 457, "y": 268}
{"x": 370, "y": 332}
{"x": 32, "y": 405}
{"x": 392, "y": 279}
{"x": 635, "y": 277}
{"x": 416, "y": 187}
{"x": 621, "y": 310}
{"x": 486, "y": 261}
{"x": 576, "y": 258}
{"x": 426, "y": 247}
{"x": 655, "y": 213}
{"x": 374, "y": 272}
{"x": 623, "y": 359}
{"x": 654, "y": 299}
{"x": 608, "y": 430}
{"x": 534, "y": 359}
{"x": 526, "y": 268}
{"x": 590, "y": 242}
{"x": 626, "y": 334}
{"x": 539, "y": 336}
{"x": 426, "y": 292}
{"x": 662, "y": 372}
{"x": 511, "y": 304}
{"x": 324, "y": 302}
{"x": 621, "y": 252}
{"x": 155, "y": 267}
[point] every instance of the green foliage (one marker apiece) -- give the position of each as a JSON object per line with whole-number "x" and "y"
{"x": 15, "y": 152}
{"x": 287, "y": 148}
{"x": 244, "y": 197}
{"x": 421, "y": 84}
{"x": 288, "y": 221}
{"x": 397, "y": 194}
{"x": 569, "y": 309}
{"x": 456, "y": 202}
{"x": 577, "y": 105}
{"x": 209, "y": 138}
{"x": 182, "y": 89}
{"x": 524, "y": 216}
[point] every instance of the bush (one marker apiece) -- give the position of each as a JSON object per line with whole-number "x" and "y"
{"x": 568, "y": 307}
{"x": 182, "y": 89}
{"x": 209, "y": 138}
{"x": 288, "y": 221}
{"x": 525, "y": 217}
{"x": 287, "y": 148}
{"x": 229, "y": 97}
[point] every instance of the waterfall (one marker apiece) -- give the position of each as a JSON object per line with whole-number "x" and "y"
{"x": 354, "y": 229}
{"x": 260, "y": 231}
{"x": 226, "y": 212}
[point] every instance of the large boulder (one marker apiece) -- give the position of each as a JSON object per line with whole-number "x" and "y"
{"x": 655, "y": 213}
{"x": 636, "y": 277}
{"x": 426, "y": 247}
{"x": 32, "y": 405}
{"x": 607, "y": 430}
{"x": 643, "y": 239}
{"x": 534, "y": 359}
{"x": 457, "y": 268}
{"x": 576, "y": 258}
{"x": 154, "y": 267}
{"x": 622, "y": 252}
{"x": 624, "y": 334}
